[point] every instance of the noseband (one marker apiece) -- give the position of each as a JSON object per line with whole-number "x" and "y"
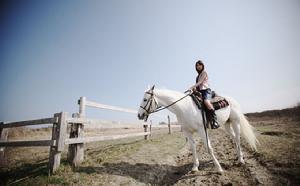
{"x": 149, "y": 102}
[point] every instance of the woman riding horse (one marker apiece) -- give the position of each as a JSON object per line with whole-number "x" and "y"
{"x": 202, "y": 86}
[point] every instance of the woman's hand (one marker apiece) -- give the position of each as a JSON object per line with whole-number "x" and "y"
{"x": 193, "y": 88}
{"x": 190, "y": 90}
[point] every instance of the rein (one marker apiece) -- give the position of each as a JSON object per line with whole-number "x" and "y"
{"x": 165, "y": 107}
{"x": 162, "y": 108}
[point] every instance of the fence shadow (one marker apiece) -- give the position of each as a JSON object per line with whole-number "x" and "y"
{"x": 146, "y": 173}
{"x": 27, "y": 170}
{"x": 154, "y": 174}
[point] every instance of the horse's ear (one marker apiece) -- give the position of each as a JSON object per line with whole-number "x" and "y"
{"x": 152, "y": 88}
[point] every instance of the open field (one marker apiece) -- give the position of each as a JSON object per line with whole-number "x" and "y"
{"x": 166, "y": 159}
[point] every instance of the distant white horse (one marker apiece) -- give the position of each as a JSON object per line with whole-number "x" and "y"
{"x": 190, "y": 117}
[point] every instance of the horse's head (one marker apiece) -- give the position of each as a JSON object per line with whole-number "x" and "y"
{"x": 147, "y": 105}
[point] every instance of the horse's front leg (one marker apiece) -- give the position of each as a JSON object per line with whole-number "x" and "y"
{"x": 194, "y": 151}
{"x": 210, "y": 150}
{"x": 216, "y": 162}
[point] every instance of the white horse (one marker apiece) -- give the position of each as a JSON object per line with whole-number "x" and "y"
{"x": 190, "y": 117}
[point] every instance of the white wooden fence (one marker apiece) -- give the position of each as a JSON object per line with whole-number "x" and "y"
{"x": 56, "y": 143}
{"x": 59, "y": 139}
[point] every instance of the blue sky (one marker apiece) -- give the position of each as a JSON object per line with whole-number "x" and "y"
{"x": 53, "y": 52}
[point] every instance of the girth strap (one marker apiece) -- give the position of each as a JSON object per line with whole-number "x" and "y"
{"x": 205, "y": 123}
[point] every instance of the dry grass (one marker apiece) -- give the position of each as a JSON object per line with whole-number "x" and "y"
{"x": 29, "y": 133}
{"x": 280, "y": 146}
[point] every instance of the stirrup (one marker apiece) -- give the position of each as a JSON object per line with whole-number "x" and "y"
{"x": 214, "y": 125}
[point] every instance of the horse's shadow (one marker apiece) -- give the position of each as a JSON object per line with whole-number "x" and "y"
{"x": 154, "y": 174}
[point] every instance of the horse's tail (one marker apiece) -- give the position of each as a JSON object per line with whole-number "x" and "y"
{"x": 248, "y": 132}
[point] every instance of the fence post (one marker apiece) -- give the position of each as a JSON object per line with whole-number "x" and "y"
{"x": 3, "y": 137}
{"x": 59, "y": 134}
{"x": 82, "y": 103}
{"x": 169, "y": 124}
{"x": 76, "y": 151}
{"x": 145, "y": 130}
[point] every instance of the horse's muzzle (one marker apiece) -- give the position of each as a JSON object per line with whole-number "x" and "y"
{"x": 141, "y": 116}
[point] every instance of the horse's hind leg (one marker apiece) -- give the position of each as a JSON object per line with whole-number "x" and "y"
{"x": 237, "y": 131}
{"x": 194, "y": 151}
{"x": 230, "y": 131}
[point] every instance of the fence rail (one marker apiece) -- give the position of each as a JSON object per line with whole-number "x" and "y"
{"x": 29, "y": 122}
{"x": 28, "y": 143}
{"x": 103, "y": 138}
{"x": 114, "y": 108}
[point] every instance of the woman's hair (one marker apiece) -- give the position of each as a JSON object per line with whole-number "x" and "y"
{"x": 199, "y": 62}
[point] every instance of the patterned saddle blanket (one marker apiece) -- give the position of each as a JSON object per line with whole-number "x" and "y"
{"x": 217, "y": 101}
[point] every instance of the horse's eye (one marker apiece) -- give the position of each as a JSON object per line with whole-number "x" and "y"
{"x": 145, "y": 99}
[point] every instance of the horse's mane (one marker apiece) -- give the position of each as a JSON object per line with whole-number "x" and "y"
{"x": 173, "y": 93}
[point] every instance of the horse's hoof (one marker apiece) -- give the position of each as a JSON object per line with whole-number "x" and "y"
{"x": 220, "y": 171}
{"x": 194, "y": 170}
{"x": 241, "y": 161}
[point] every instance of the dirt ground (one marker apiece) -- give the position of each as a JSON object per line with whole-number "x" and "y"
{"x": 167, "y": 160}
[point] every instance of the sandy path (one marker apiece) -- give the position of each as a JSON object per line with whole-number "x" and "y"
{"x": 167, "y": 160}
{"x": 252, "y": 173}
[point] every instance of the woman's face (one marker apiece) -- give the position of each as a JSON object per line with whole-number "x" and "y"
{"x": 199, "y": 67}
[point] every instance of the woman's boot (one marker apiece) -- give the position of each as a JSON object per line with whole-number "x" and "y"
{"x": 214, "y": 123}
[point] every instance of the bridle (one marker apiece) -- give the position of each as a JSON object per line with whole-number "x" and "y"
{"x": 149, "y": 102}
{"x": 158, "y": 108}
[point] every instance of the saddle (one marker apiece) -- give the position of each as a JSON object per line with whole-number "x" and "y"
{"x": 217, "y": 101}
